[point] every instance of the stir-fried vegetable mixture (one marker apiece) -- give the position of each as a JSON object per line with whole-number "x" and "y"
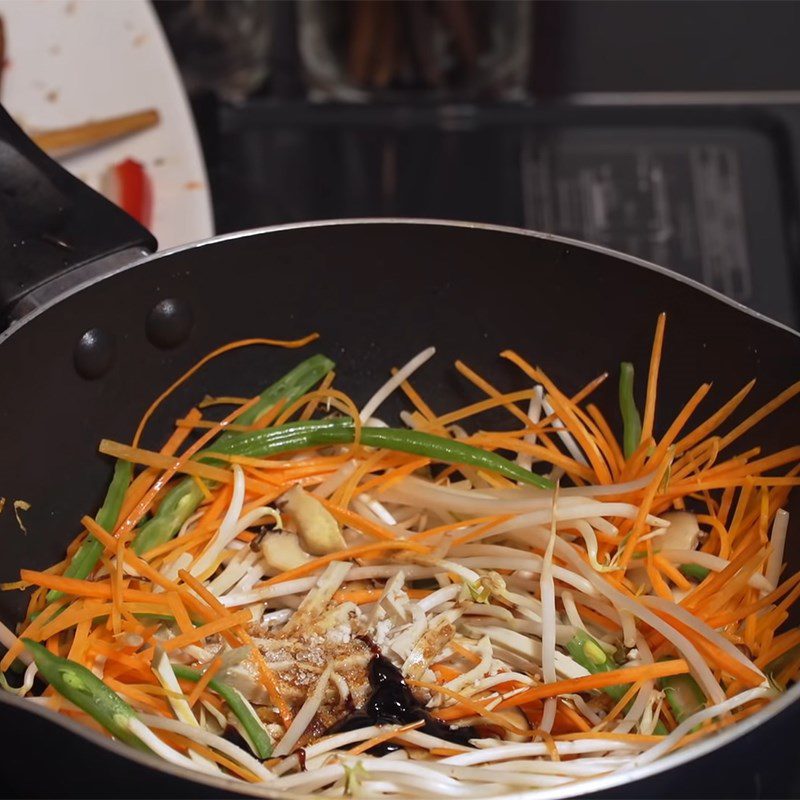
{"x": 306, "y": 597}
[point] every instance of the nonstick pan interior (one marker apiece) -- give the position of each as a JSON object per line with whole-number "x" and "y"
{"x": 377, "y": 292}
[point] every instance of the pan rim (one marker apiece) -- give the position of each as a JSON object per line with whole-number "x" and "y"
{"x": 582, "y": 788}
{"x": 444, "y": 223}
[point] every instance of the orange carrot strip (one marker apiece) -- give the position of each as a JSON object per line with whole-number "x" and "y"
{"x": 644, "y": 510}
{"x": 470, "y": 703}
{"x": 648, "y": 418}
{"x": 358, "y": 522}
{"x": 675, "y": 575}
{"x": 454, "y": 526}
{"x": 100, "y": 590}
{"x": 655, "y": 576}
{"x": 614, "y": 737}
{"x": 265, "y": 673}
{"x": 714, "y": 653}
{"x": 363, "y": 596}
{"x": 716, "y": 581}
{"x": 137, "y": 455}
{"x": 381, "y": 483}
{"x": 465, "y": 652}
{"x": 342, "y": 555}
{"x": 144, "y": 569}
{"x": 385, "y": 737}
{"x": 226, "y": 348}
{"x": 605, "y": 429}
{"x": 416, "y": 399}
{"x": 680, "y": 421}
{"x": 477, "y": 534}
{"x": 144, "y": 480}
{"x": 78, "y": 612}
{"x": 540, "y": 453}
{"x": 633, "y": 690}
{"x": 179, "y": 612}
{"x": 714, "y": 421}
{"x": 721, "y": 531}
{"x": 600, "y": 680}
{"x": 208, "y": 673}
{"x": 209, "y": 629}
{"x": 485, "y": 405}
{"x": 144, "y": 504}
{"x": 786, "y": 395}
{"x": 573, "y": 716}
{"x": 444, "y": 673}
{"x": 564, "y": 408}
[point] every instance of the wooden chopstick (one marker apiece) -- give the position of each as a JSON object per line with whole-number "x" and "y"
{"x": 61, "y": 141}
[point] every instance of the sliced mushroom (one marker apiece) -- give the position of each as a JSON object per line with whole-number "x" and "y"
{"x": 282, "y": 551}
{"x": 683, "y": 532}
{"x": 319, "y": 532}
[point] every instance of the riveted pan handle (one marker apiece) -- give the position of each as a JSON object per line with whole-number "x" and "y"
{"x": 51, "y": 224}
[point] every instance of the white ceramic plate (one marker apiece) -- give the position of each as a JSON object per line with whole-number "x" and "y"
{"x": 70, "y": 61}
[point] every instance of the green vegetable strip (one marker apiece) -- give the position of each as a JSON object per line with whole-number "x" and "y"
{"x": 85, "y": 560}
{"x": 631, "y": 421}
{"x": 694, "y": 571}
{"x": 588, "y": 653}
{"x": 290, "y": 387}
{"x": 182, "y": 500}
{"x": 255, "y": 730}
{"x": 684, "y": 696}
{"x": 81, "y": 687}
{"x": 318, "y": 433}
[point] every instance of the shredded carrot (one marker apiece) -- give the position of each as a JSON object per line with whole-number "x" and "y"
{"x": 267, "y": 678}
{"x": 363, "y": 596}
{"x": 648, "y": 417}
{"x": 454, "y": 526}
{"x": 470, "y": 703}
{"x": 644, "y": 509}
{"x": 358, "y": 522}
{"x": 209, "y": 629}
{"x": 565, "y": 409}
{"x": 384, "y": 737}
{"x": 600, "y": 680}
{"x": 226, "y": 348}
{"x": 210, "y": 671}
{"x": 144, "y": 504}
{"x": 465, "y": 652}
{"x": 765, "y": 410}
{"x": 342, "y": 555}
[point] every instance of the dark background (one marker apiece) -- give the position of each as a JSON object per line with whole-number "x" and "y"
{"x": 666, "y": 129}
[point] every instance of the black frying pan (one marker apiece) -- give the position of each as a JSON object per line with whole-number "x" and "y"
{"x": 96, "y": 331}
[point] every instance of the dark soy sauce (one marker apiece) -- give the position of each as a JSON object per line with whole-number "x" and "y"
{"x": 392, "y": 703}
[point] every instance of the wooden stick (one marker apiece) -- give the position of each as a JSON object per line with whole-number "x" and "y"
{"x": 60, "y": 141}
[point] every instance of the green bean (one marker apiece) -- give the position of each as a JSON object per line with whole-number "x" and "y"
{"x": 588, "y": 653}
{"x": 631, "y": 421}
{"x": 694, "y": 571}
{"x": 85, "y": 560}
{"x": 181, "y": 501}
{"x": 85, "y": 690}
{"x": 178, "y": 505}
{"x": 259, "y": 738}
{"x": 319, "y": 433}
{"x": 683, "y": 694}
{"x": 293, "y": 385}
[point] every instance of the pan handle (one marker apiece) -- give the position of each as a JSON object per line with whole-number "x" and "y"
{"x": 51, "y": 225}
